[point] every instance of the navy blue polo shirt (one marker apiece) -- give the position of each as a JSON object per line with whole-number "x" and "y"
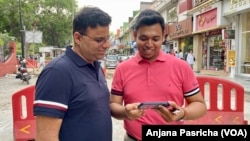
{"x": 75, "y": 91}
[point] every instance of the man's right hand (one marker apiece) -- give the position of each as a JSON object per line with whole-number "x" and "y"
{"x": 132, "y": 112}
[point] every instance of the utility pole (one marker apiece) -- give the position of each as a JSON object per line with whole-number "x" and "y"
{"x": 21, "y": 29}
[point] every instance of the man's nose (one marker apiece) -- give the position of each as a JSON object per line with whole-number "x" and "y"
{"x": 149, "y": 42}
{"x": 107, "y": 44}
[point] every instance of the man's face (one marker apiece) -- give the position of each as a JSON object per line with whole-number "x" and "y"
{"x": 149, "y": 40}
{"x": 92, "y": 45}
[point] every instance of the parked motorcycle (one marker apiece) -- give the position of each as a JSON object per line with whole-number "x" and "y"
{"x": 23, "y": 72}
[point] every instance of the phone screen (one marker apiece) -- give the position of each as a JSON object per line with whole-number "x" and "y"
{"x": 152, "y": 105}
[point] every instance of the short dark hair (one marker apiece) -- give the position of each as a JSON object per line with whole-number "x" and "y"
{"x": 90, "y": 17}
{"x": 149, "y": 17}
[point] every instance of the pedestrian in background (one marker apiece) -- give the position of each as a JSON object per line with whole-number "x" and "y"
{"x": 72, "y": 97}
{"x": 172, "y": 52}
{"x": 152, "y": 75}
{"x": 41, "y": 62}
{"x": 190, "y": 58}
{"x": 23, "y": 63}
{"x": 180, "y": 54}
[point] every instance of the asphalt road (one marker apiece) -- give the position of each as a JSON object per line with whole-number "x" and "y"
{"x": 9, "y": 85}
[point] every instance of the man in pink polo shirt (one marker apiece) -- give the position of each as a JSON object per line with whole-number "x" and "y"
{"x": 152, "y": 75}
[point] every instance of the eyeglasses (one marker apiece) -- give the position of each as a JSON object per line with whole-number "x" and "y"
{"x": 99, "y": 40}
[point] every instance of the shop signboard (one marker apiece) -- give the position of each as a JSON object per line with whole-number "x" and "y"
{"x": 228, "y": 34}
{"x": 231, "y": 55}
{"x": 33, "y": 36}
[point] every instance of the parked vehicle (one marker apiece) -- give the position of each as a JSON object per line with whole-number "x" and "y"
{"x": 111, "y": 61}
{"x": 23, "y": 72}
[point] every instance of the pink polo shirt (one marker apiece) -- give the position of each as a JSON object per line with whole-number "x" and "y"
{"x": 166, "y": 79}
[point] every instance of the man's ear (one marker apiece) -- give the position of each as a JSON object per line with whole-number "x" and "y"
{"x": 77, "y": 37}
{"x": 134, "y": 34}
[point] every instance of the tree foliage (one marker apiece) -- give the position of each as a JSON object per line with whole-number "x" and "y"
{"x": 52, "y": 17}
{"x": 5, "y": 50}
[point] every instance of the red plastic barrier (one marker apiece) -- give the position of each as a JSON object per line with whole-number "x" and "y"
{"x": 31, "y": 63}
{"x": 231, "y": 96}
{"x": 23, "y": 120}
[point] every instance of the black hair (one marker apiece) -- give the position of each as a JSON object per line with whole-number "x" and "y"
{"x": 149, "y": 17}
{"x": 90, "y": 17}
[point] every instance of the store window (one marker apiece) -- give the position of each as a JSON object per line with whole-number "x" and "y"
{"x": 216, "y": 52}
{"x": 213, "y": 51}
{"x": 245, "y": 44}
{"x": 186, "y": 44}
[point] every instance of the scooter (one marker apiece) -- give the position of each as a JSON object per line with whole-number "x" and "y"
{"x": 23, "y": 73}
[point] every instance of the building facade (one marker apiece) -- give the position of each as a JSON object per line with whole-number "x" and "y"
{"x": 218, "y": 32}
{"x": 209, "y": 47}
{"x": 238, "y": 11}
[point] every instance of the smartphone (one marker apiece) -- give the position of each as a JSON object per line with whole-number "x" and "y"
{"x": 152, "y": 105}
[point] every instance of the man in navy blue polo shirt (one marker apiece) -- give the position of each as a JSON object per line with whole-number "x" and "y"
{"x": 72, "y": 98}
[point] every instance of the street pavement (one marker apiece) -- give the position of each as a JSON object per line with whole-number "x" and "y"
{"x": 9, "y": 84}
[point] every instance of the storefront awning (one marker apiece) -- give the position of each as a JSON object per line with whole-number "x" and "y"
{"x": 202, "y": 6}
{"x": 210, "y": 29}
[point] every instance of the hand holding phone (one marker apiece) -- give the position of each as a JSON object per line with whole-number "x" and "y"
{"x": 152, "y": 105}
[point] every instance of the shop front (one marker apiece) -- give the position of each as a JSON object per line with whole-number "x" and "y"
{"x": 213, "y": 51}
{"x": 239, "y": 12}
{"x": 180, "y": 35}
{"x": 208, "y": 26}
{"x": 244, "y": 59}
